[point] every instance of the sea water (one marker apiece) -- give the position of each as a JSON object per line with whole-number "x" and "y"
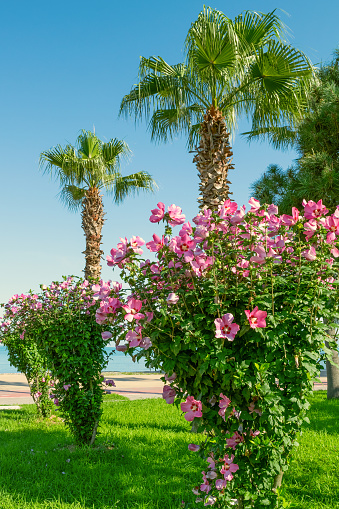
{"x": 117, "y": 362}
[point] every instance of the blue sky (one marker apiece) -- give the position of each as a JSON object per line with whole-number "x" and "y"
{"x": 65, "y": 66}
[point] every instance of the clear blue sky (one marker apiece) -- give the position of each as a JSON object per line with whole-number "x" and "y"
{"x": 65, "y": 66}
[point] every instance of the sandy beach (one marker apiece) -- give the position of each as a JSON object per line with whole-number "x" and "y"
{"x": 14, "y": 389}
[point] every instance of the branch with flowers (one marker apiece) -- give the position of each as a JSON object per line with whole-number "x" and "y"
{"x": 231, "y": 309}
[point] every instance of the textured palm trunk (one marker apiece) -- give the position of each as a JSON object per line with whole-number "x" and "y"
{"x": 332, "y": 370}
{"x": 92, "y": 223}
{"x": 333, "y": 374}
{"x": 213, "y": 160}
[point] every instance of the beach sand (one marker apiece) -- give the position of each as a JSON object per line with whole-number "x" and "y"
{"x": 14, "y": 388}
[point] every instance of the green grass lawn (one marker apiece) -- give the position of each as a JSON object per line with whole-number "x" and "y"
{"x": 141, "y": 460}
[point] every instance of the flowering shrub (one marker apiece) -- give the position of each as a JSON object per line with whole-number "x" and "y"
{"x": 63, "y": 326}
{"x": 23, "y": 353}
{"x": 231, "y": 309}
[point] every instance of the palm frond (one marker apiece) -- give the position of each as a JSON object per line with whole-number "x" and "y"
{"x": 209, "y": 45}
{"x": 121, "y": 187}
{"x": 55, "y": 158}
{"x": 256, "y": 29}
{"x": 280, "y": 137}
{"x": 71, "y": 196}
{"x": 193, "y": 137}
{"x": 280, "y": 67}
{"x": 163, "y": 86}
{"x": 112, "y": 152}
{"x": 167, "y": 123}
{"x": 89, "y": 145}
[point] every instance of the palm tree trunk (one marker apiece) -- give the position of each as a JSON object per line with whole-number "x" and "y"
{"x": 213, "y": 160}
{"x": 332, "y": 374}
{"x": 332, "y": 371}
{"x": 92, "y": 223}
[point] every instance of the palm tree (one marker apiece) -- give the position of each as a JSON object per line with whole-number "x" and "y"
{"x": 231, "y": 68}
{"x": 83, "y": 172}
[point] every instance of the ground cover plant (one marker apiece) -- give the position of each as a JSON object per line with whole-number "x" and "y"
{"x": 141, "y": 460}
{"x": 232, "y": 311}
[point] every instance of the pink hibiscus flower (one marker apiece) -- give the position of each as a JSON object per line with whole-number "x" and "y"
{"x": 135, "y": 243}
{"x": 255, "y": 204}
{"x": 235, "y": 440}
{"x": 314, "y": 210}
{"x": 106, "y": 335}
{"x": 205, "y": 486}
{"x": 192, "y": 407}
{"x": 256, "y": 318}
{"x": 223, "y": 404}
{"x": 168, "y": 394}
{"x": 310, "y": 254}
{"x": 119, "y": 254}
{"x": 193, "y": 447}
{"x": 228, "y": 467}
{"x": 204, "y": 218}
{"x": 132, "y": 309}
{"x": 170, "y": 378}
{"x": 332, "y": 224}
{"x": 260, "y": 255}
{"x": 291, "y": 220}
{"x": 172, "y": 299}
{"x": 220, "y": 484}
{"x": 158, "y": 214}
{"x": 238, "y": 216}
{"x": 145, "y": 343}
{"x": 183, "y": 245}
{"x": 227, "y": 208}
{"x": 156, "y": 244}
{"x": 225, "y": 328}
{"x": 176, "y": 215}
{"x": 134, "y": 338}
{"x": 272, "y": 209}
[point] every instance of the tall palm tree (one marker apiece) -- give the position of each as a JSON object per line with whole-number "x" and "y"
{"x": 83, "y": 172}
{"x": 231, "y": 68}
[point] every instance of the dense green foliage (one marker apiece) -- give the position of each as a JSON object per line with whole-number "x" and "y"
{"x": 27, "y": 358}
{"x": 244, "y": 374}
{"x": 315, "y": 175}
{"x": 68, "y": 338}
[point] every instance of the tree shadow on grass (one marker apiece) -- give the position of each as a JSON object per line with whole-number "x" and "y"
{"x": 157, "y": 415}
{"x": 323, "y": 414}
{"x": 311, "y": 480}
{"x": 140, "y": 467}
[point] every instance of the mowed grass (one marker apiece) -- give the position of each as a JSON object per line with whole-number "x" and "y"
{"x": 312, "y": 481}
{"x": 141, "y": 460}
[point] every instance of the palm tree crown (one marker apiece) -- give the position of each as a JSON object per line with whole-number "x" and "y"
{"x": 85, "y": 170}
{"x": 232, "y": 68}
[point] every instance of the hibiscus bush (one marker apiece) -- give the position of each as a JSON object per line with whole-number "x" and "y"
{"x": 64, "y": 329}
{"x": 231, "y": 309}
{"x": 24, "y": 354}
